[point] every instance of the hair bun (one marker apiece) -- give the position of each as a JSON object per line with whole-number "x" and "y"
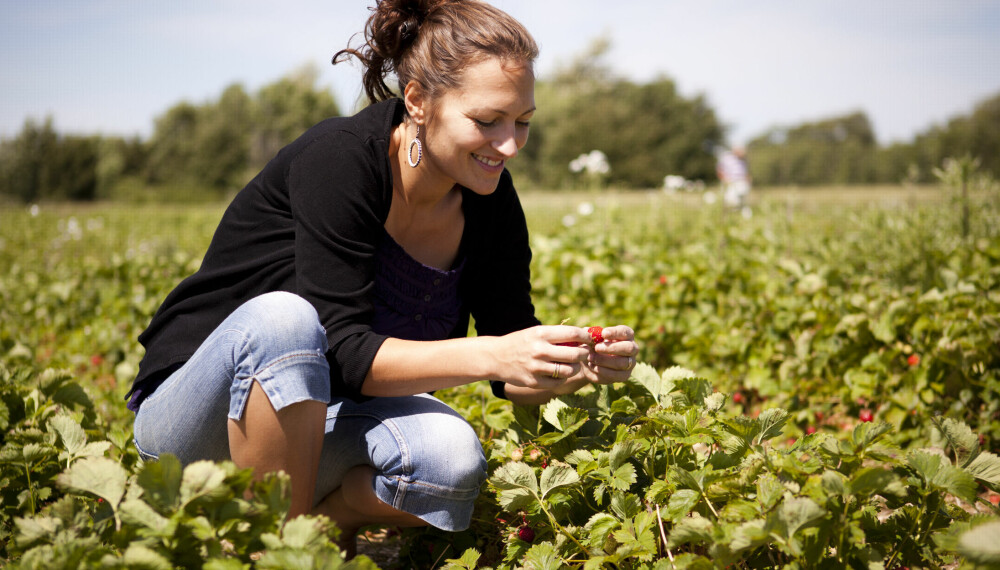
{"x": 431, "y": 41}
{"x": 408, "y": 31}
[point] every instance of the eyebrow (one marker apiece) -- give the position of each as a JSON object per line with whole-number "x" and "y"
{"x": 504, "y": 113}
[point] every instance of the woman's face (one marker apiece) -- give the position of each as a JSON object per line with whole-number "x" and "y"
{"x": 472, "y": 131}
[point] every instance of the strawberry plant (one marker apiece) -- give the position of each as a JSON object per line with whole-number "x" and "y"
{"x": 845, "y": 410}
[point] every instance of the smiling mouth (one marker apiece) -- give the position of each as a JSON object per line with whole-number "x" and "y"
{"x": 487, "y": 161}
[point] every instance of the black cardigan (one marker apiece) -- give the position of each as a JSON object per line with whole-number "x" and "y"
{"x": 309, "y": 224}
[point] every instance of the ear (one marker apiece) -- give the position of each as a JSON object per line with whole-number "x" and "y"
{"x": 415, "y": 99}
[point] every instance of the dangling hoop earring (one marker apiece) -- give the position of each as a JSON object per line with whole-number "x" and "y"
{"x": 420, "y": 150}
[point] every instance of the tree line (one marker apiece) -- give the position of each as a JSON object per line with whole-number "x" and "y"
{"x": 644, "y": 131}
{"x": 843, "y": 150}
{"x": 196, "y": 151}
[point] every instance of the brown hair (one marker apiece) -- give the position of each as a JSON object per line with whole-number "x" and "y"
{"x": 433, "y": 41}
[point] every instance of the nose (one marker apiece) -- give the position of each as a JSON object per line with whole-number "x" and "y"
{"x": 506, "y": 144}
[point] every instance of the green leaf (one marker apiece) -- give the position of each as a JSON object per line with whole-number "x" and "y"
{"x": 940, "y": 474}
{"x": 694, "y": 530}
{"x": 867, "y": 433}
{"x": 960, "y": 438}
{"x": 201, "y": 478}
{"x": 33, "y": 452}
{"x": 695, "y": 389}
{"x": 715, "y": 401}
{"x": 34, "y": 529}
{"x": 515, "y": 475}
{"x": 542, "y": 556}
{"x": 72, "y": 435}
{"x": 871, "y": 480}
{"x": 772, "y": 421}
{"x": 468, "y": 560}
{"x": 550, "y": 412}
{"x": 139, "y": 514}
{"x": 141, "y": 557}
{"x": 985, "y": 467}
{"x": 305, "y": 532}
{"x": 98, "y": 475}
{"x": 769, "y": 491}
{"x": 750, "y": 534}
{"x": 225, "y": 564}
{"x": 517, "y": 485}
{"x": 833, "y": 483}
{"x": 557, "y": 475}
{"x": 648, "y": 377}
{"x": 161, "y": 482}
{"x": 598, "y": 528}
{"x": 980, "y": 544}
{"x": 681, "y": 503}
{"x": 623, "y": 477}
{"x": 625, "y": 505}
{"x": 796, "y": 513}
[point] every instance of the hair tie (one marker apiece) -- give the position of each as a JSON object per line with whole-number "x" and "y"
{"x": 408, "y": 31}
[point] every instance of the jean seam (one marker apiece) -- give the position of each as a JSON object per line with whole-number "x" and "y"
{"x": 143, "y": 454}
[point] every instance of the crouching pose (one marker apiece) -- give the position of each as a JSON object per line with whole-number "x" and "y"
{"x": 337, "y": 292}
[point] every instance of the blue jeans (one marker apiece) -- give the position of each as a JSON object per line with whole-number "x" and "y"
{"x": 427, "y": 458}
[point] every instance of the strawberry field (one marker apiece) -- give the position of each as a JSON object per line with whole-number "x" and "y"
{"x": 818, "y": 387}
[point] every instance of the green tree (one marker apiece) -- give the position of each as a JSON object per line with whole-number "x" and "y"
{"x": 838, "y": 150}
{"x": 646, "y": 130}
{"x": 286, "y": 108}
{"x": 171, "y": 149}
{"x": 40, "y": 164}
{"x": 24, "y": 170}
{"x": 221, "y": 144}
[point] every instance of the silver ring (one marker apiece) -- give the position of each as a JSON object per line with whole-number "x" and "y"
{"x": 631, "y": 362}
{"x": 555, "y": 371}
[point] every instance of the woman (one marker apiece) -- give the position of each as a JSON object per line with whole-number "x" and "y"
{"x": 338, "y": 288}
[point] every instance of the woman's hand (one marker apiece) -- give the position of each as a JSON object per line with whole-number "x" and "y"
{"x": 605, "y": 362}
{"x": 541, "y": 357}
{"x": 613, "y": 359}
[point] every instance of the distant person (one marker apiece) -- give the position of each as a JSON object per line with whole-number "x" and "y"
{"x": 734, "y": 175}
{"x": 338, "y": 289}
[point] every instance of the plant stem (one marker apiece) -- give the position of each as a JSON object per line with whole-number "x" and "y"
{"x": 31, "y": 491}
{"x": 555, "y": 524}
{"x": 916, "y": 522}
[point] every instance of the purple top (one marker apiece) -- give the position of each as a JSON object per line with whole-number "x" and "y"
{"x": 413, "y": 301}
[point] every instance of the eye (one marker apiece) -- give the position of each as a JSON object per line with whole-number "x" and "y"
{"x": 524, "y": 124}
{"x": 485, "y": 124}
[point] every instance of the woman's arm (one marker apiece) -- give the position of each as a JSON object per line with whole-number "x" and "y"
{"x": 524, "y": 359}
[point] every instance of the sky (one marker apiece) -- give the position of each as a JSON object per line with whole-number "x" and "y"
{"x": 113, "y": 66}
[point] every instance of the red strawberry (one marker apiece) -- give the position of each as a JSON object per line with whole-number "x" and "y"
{"x": 663, "y": 279}
{"x": 596, "y": 333}
{"x": 913, "y": 360}
{"x": 811, "y": 430}
{"x": 866, "y": 415}
{"x": 526, "y": 533}
{"x": 738, "y": 397}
